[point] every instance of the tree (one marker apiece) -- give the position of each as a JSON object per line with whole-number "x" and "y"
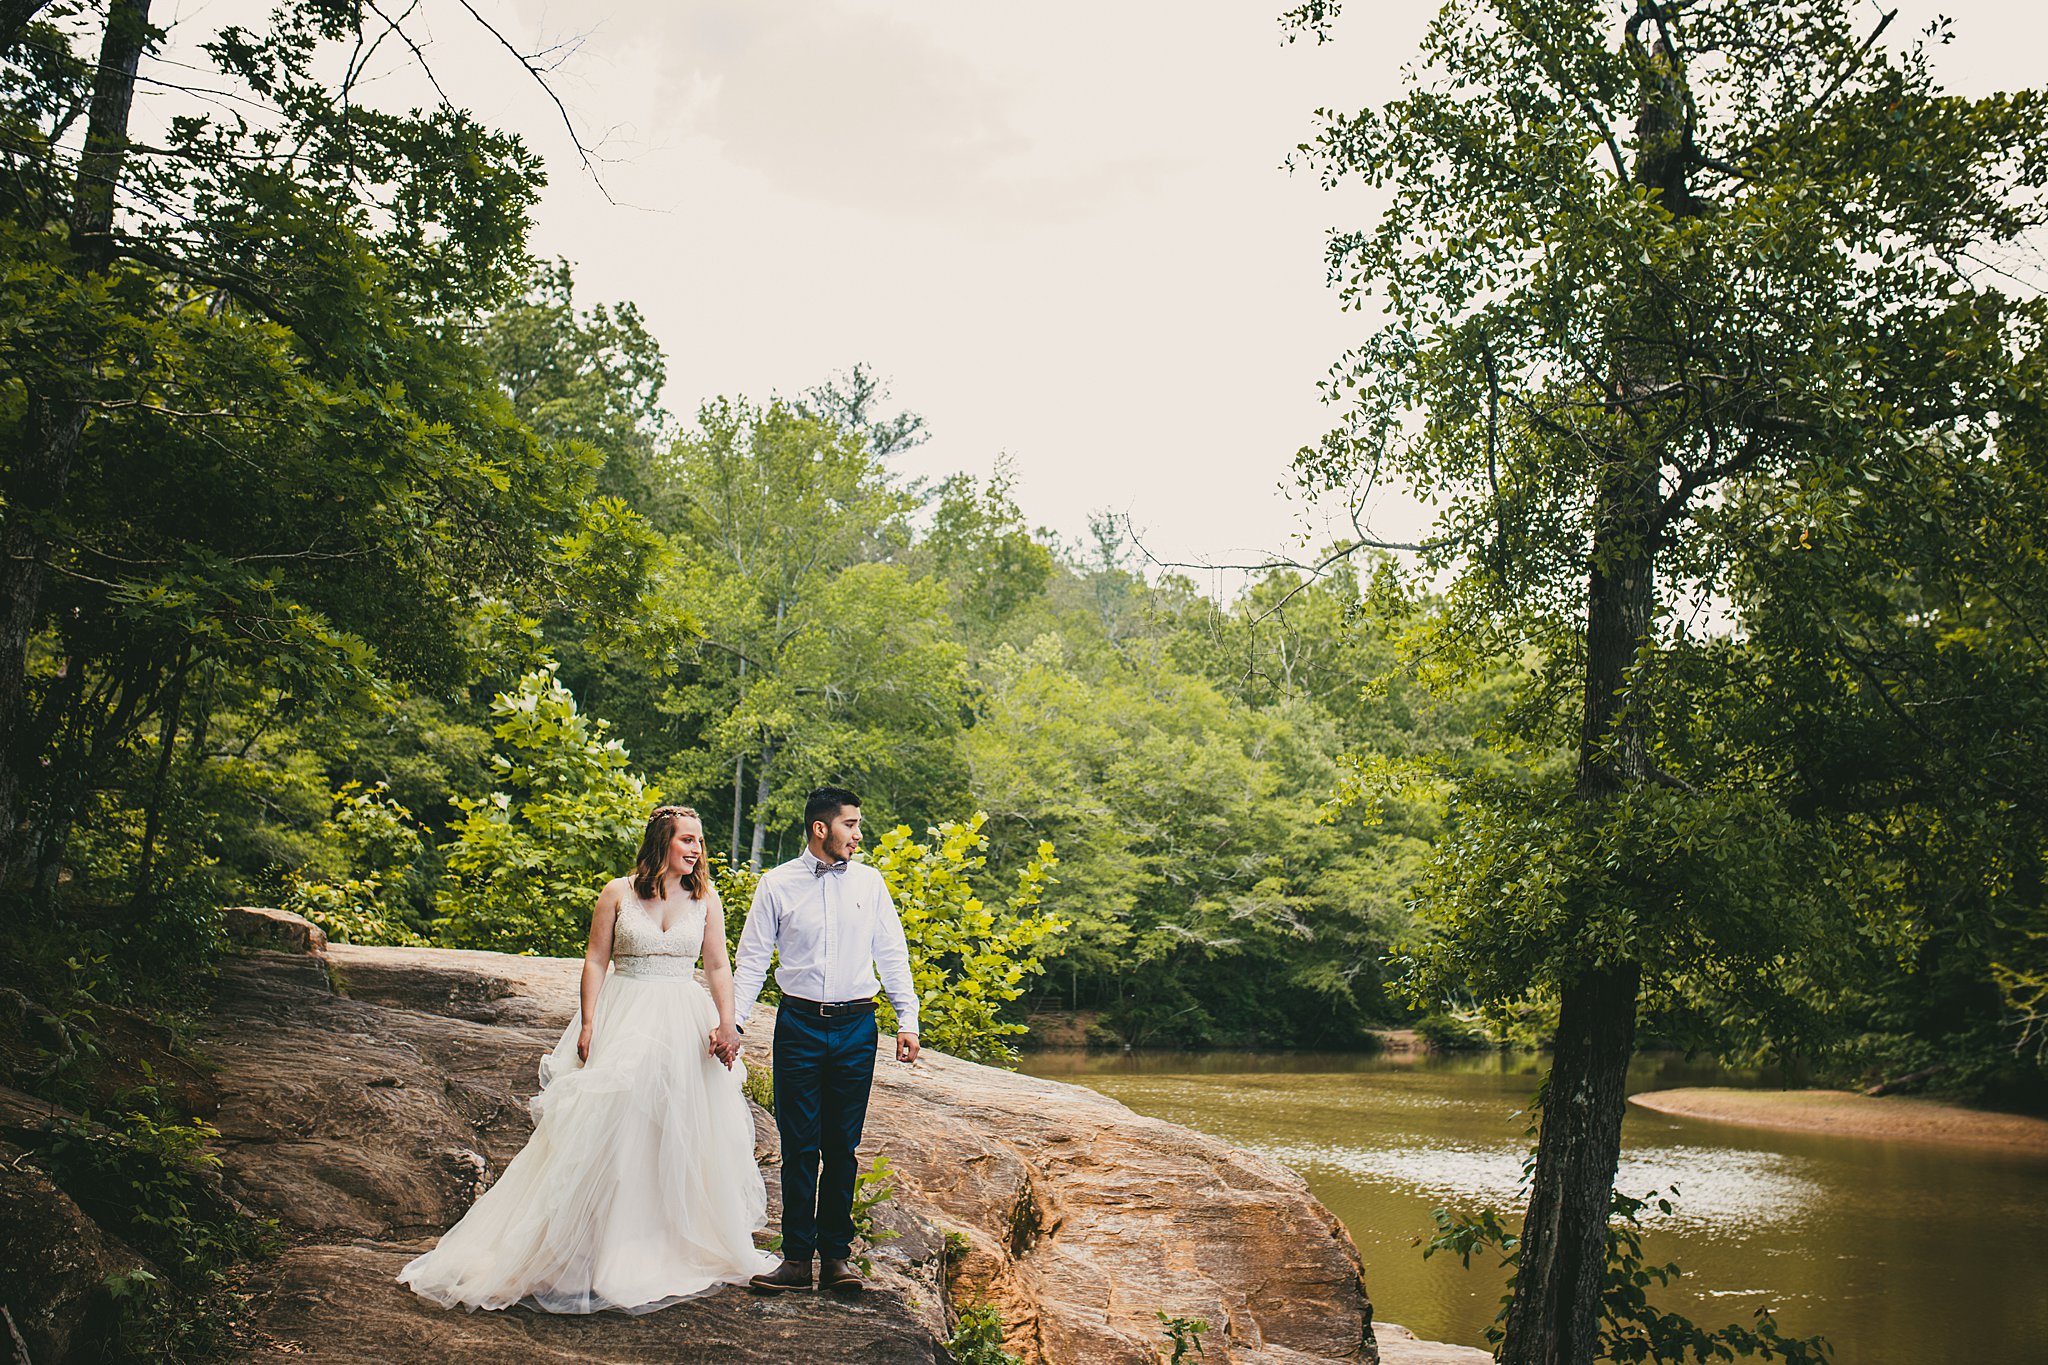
{"x": 242, "y": 430}
{"x": 529, "y": 859}
{"x": 589, "y": 376}
{"x": 978, "y": 544}
{"x": 817, "y": 661}
{"x": 1640, "y": 270}
{"x": 588, "y": 381}
{"x": 1899, "y": 641}
{"x": 850, "y": 402}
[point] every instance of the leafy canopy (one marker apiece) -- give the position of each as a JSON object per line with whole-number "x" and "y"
{"x": 1645, "y": 248}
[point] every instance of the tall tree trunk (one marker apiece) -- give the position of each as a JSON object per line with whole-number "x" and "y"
{"x": 93, "y": 203}
{"x": 761, "y": 790}
{"x": 739, "y": 776}
{"x": 739, "y": 805}
{"x": 160, "y": 788}
{"x": 1554, "y": 1318}
{"x": 35, "y": 493}
{"x": 42, "y": 466}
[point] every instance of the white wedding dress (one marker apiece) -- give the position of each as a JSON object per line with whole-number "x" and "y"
{"x": 638, "y": 1187}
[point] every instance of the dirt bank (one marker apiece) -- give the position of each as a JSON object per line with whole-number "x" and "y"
{"x": 1893, "y": 1118}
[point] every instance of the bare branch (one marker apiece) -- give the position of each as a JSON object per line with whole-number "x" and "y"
{"x": 418, "y": 54}
{"x": 143, "y": 405}
{"x": 1277, "y": 562}
{"x": 1690, "y": 481}
{"x": 540, "y": 78}
{"x": 1849, "y": 67}
{"x": 243, "y": 286}
{"x": 1313, "y": 571}
{"x": 708, "y": 643}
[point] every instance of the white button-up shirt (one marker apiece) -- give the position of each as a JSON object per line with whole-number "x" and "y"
{"x": 834, "y": 932}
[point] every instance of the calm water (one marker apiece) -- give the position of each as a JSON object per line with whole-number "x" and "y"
{"x": 1900, "y": 1254}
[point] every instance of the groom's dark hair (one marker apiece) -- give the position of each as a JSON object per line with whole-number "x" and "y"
{"x": 825, "y": 804}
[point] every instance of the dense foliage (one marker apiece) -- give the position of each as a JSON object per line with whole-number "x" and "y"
{"x": 380, "y": 583}
{"x": 1691, "y": 318}
{"x": 256, "y": 481}
{"x": 969, "y": 958}
{"x": 528, "y": 859}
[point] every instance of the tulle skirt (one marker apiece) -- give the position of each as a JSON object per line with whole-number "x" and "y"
{"x": 638, "y": 1187}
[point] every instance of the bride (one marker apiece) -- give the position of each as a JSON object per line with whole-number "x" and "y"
{"x": 638, "y": 1187}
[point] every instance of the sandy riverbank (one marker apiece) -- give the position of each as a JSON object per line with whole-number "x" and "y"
{"x": 1842, "y": 1112}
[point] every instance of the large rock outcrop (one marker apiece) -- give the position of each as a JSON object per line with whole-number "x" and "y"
{"x": 368, "y": 1094}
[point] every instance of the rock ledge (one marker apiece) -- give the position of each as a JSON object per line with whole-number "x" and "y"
{"x": 367, "y": 1121}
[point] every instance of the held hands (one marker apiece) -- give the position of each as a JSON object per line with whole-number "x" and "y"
{"x": 583, "y": 1044}
{"x": 725, "y": 1044}
{"x": 906, "y": 1047}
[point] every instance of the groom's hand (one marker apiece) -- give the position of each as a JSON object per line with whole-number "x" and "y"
{"x": 906, "y": 1047}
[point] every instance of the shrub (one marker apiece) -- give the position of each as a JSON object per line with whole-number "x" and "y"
{"x": 529, "y": 859}
{"x": 968, "y": 958}
{"x": 978, "y": 1338}
{"x": 151, "y": 1183}
{"x": 759, "y": 1087}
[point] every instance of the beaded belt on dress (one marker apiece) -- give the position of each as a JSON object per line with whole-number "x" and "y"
{"x": 654, "y": 964}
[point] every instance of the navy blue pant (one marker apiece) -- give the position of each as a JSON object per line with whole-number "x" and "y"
{"x": 823, "y": 1069}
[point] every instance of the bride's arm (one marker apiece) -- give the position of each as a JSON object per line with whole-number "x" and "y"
{"x": 596, "y": 959}
{"x": 725, "y": 1041}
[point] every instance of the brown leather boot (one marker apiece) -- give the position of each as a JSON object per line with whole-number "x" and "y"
{"x": 836, "y": 1272}
{"x": 789, "y": 1275}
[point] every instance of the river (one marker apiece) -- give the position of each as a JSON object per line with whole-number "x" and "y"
{"x": 1899, "y": 1254}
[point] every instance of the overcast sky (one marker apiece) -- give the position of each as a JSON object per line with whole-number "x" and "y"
{"x": 1060, "y": 230}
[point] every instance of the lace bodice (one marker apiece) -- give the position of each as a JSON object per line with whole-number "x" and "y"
{"x": 641, "y": 947}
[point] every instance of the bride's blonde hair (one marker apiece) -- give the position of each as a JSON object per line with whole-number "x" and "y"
{"x": 650, "y": 868}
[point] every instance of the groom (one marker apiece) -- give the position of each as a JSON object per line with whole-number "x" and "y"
{"x": 834, "y": 926}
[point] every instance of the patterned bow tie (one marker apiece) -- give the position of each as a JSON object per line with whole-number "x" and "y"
{"x": 820, "y": 869}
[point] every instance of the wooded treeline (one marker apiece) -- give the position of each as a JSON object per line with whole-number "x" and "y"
{"x": 352, "y": 562}
{"x": 354, "y": 566}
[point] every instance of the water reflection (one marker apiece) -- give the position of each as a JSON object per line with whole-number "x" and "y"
{"x": 1454, "y": 1175}
{"x": 1900, "y": 1254}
